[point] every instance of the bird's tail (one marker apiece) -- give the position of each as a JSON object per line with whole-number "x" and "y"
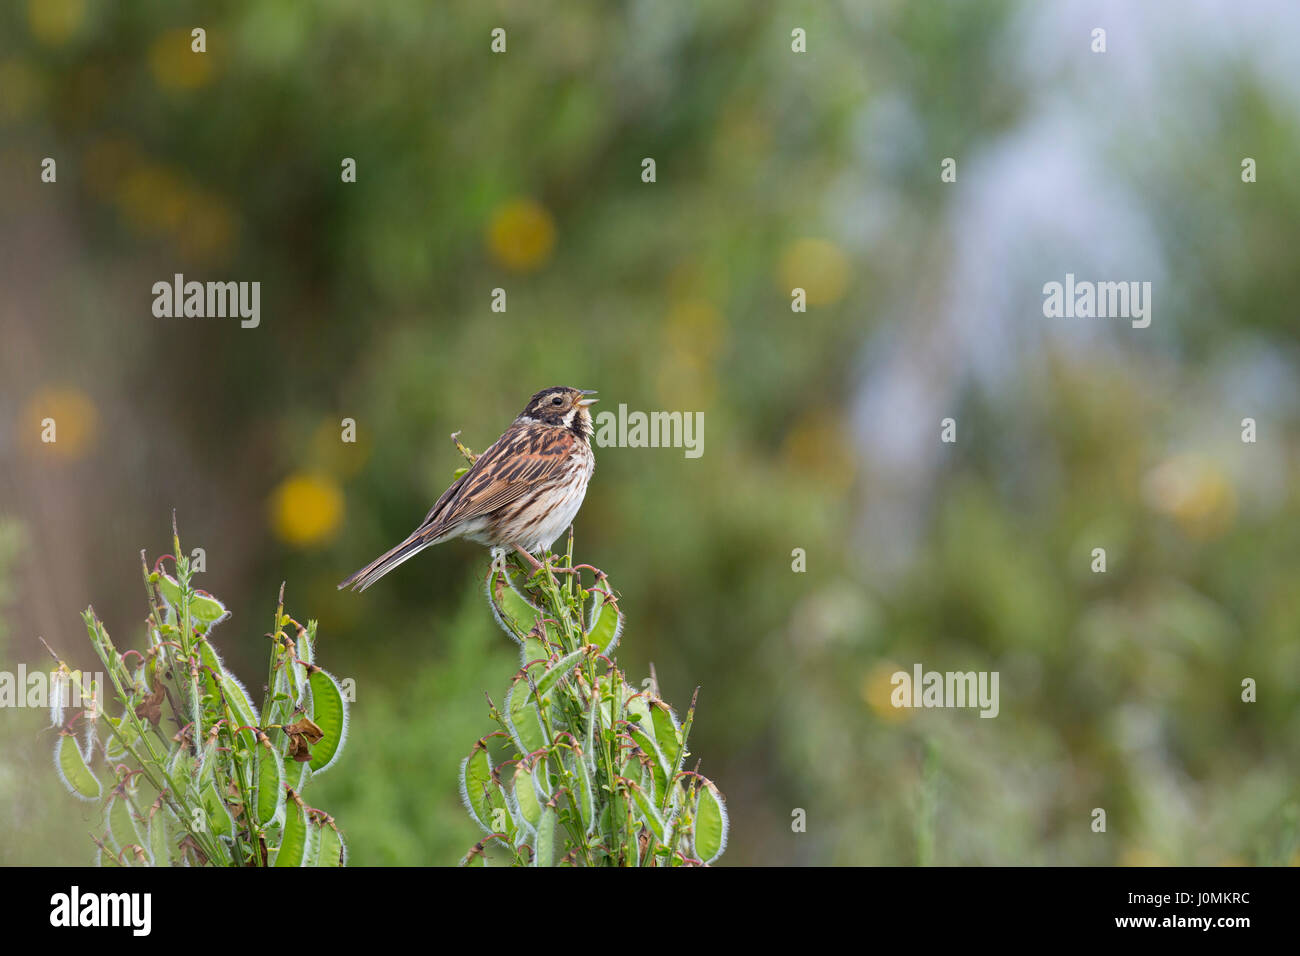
{"x": 377, "y": 568}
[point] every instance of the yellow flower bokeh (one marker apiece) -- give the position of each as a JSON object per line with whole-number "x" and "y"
{"x": 693, "y": 333}
{"x": 105, "y": 163}
{"x": 696, "y": 328}
{"x": 818, "y": 267}
{"x": 819, "y": 446}
{"x": 21, "y": 87}
{"x": 306, "y": 509}
{"x": 175, "y": 65}
{"x": 208, "y": 227}
{"x": 64, "y": 413}
{"x": 877, "y": 691}
{"x": 685, "y": 384}
{"x": 1139, "y": 856}
{"x": 53, "y": 22}
{"x": 155, "y": 200}
{"x": 1195, "y": 492}
{"x": 521, "y": 235}
{"x": 151, "y": 199}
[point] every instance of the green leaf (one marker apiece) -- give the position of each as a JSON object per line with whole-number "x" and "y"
{"x": 606, "y": 624}
{"x": 73, "y": 770}
{"x": 294, "y": 845}
{"x": 711, "y": 823}
{"x": 329, "y": 714}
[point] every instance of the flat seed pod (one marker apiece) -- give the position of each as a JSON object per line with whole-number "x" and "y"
{"x": 205, "y": 610}
{"x": 329, "y": 713}
{"x": 160, "y": 844}
{"x": 120, "y": 823}
{"x": 514, "y": 613}
{"x": 269, "y": 777}
{"x": 73, "y": 770}
{"x": 533, "y": 650}
{"x": 648, "y": 812}
{"x": 559, "y": 669}
{"x": 711, "y": 823}
{"x": 606, "y": 624}
{"x": 330, "y": 847}
{"x": 582, "y": 785}
{"x": 544, "y": 853}
{"x": 668, "y": 733}
{"x": 530, "y": 806}
{"x": 477, "y": 788}
{"x": 524, "y": 720}
{"x": 294, "y": 845}
{"x": 219, "y": 819}
{"x": 659, "y": 764}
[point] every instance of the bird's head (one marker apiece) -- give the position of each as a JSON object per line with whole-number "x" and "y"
{"x": 562, "y": 407}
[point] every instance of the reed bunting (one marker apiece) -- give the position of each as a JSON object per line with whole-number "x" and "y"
{"x": 521, "y": 493}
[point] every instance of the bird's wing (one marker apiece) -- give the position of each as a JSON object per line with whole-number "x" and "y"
{"x": 520, "y": 460}
{"x": 451, "y": 492}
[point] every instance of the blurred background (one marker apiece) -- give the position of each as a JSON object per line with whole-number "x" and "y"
{"x": 775, "y": 169}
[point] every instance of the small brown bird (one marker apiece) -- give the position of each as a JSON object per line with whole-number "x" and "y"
{"x": 521, "y": 493}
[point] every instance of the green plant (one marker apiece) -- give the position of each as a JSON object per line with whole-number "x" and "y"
{"x": 594, "y": 767}
{"x": 189, "y": 772}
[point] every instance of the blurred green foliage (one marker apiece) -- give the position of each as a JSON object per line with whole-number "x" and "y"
{"x": 522, "y": 171}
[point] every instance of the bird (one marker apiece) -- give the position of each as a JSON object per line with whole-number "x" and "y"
{"x": 521, "y": 493}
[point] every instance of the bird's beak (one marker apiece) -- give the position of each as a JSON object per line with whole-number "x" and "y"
{"x": 588, "y": 401}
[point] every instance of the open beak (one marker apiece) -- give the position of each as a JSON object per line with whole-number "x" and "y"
{"x": 588, "y": 401}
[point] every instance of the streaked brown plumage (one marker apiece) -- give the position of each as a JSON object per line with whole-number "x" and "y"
{"x": 521, "y": 493}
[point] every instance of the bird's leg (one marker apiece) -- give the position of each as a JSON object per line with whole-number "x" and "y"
{"x": 528, "y": 557}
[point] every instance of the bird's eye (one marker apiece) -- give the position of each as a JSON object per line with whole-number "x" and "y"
{"x": 557, "y": 400}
